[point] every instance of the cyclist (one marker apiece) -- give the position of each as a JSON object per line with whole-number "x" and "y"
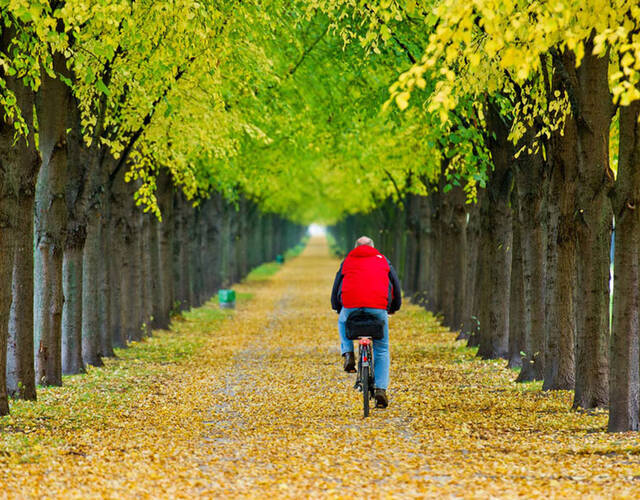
{"x": 366, "y": 279}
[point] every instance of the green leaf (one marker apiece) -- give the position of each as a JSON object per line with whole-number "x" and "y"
{"x": 102, "y": 87}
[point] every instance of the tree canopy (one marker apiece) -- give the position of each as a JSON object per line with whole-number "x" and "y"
{"x": 304, "y": 106}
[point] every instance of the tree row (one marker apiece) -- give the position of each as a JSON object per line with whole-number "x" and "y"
{"x": 525, "y": 272}
{"x": 84, "y": 292}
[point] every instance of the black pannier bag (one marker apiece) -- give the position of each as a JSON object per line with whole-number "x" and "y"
{"x": 363, "y": 324}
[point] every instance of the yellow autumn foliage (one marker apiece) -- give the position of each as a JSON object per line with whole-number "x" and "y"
{"x": 256, "y": 405}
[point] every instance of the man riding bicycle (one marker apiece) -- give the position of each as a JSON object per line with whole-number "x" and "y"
{"x": 366, "y": 280}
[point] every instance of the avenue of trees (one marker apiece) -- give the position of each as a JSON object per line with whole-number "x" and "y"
{"x": 488, "y": 146}
{"x": 547, "y": 96}
{"x": 110, "y": 218}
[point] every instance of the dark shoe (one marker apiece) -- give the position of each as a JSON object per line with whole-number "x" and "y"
{"x": 381, "y": 398}
{"x": 349, "y": 362}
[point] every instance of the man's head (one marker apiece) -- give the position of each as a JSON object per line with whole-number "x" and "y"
{"x": 364, "y": 240}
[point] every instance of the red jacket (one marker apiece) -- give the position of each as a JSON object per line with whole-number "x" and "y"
{"x": 366, "y": 279}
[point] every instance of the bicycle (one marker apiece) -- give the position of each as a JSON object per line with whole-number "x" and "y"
{"x": 365, "y": 327}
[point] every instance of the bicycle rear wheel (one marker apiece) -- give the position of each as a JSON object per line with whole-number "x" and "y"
{"x": 365, "y": 390}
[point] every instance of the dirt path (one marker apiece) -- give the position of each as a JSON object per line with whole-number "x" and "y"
{"x": 262, "y": 409}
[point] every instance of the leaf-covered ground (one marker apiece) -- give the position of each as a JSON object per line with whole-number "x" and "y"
{"x": 254, "y": 404}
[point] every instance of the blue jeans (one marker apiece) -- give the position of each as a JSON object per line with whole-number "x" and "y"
{"x": 380, "y": 347}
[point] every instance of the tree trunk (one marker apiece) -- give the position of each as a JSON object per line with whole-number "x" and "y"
{"x": 446, "y": 252}
{"x": 118, "y": 275}
{"x": 48, "y": 314}
{"x": 517, "y": 320}
{"x": 92, "y": 348}
{"x": 7, "y": 248}
{"x": 155, "y": 272}
{"x": 186, "y": 253}
{"x": 48, "y": 290}
{"x": 561, "y": 313}
{"x": 165, "y": 250}
{"x": 195, "y": 265}
{"x": 483, "y": 277}
{"x": 530, "y": 189}
{"x": 459, "y": 227}
{"x": 226, "y": 244}
{"x": 594, "y": 215}
{"x": 469, "y": 320}
{"x": 413, "y": 227}
{"x": 243, "y": 241}
{"x": 433, "y": 275}
{"x": 79, "y": 177}
{"x": 106, "y": 320}
{"x": 624, "y": 386}
{"x": 72, "y": 311}
{"x": 452, "y": 254}
{"x": 181, "y": 254}
{"x": 51, "y": 225}
{"x": 231, "y": 256}
{"x": 494, "y": 334}
{"x": 425, "y": 248}
{"x": 20, "y": 356}
{"x": 19, "y": 165}
{"x": 146, "y": 275}
{"x": 213, "y": 244}
{"x": 133, "y": 248}
{"x": 128, "y": 228}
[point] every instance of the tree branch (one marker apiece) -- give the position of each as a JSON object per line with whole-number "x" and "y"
{"x": 395, "y": 185}
{"x": 307, "y": 51}
{"x": 135, "y": 136}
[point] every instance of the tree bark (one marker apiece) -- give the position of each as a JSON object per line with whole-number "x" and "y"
{"x": 7, "y": 248}
{"x": 433, "y": 276}
{"x": 19, "y": 165}
{"x": 118, "y": 279}
{"x": 243, "y": 250}
{"x": 594, "y": 216}
{"x": 77, "y": 175}
{"x": 459, "y": 227}
{"x": 561, "y": 313}
{"x": 517, "y": 319}
{"x": 146, "y": 273}
{"x": 530, "y": 189}
{"x": 155, "y": 272}
{"x": 51, "y": 224}
{"x": 212, "y": 241}
{"x": 469, "y": 320}
{"x": 48, "y": 315}
{"x": 624, "y": 388}
{"x": 133, "y": 293}
{"x": 165, "y": 251}
{"x": 92, "y": 348}
{"x": 425, "y": 249}
{"x": 72, "y": 311}
{"x": 452, "y": 254}
{"x": 181, "y": 255}
{"x": 494, "y": 333}
{"x": 483, "y": 277}
{"x": 195, "y": 257}
{"x": 105, "y": 313}
{"x": 413, "y": 228}
{"x": 20, "y": 356}
{"x": 128, "y": 226}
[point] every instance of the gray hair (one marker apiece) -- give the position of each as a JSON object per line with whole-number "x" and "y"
{"x": 364, "y": 240}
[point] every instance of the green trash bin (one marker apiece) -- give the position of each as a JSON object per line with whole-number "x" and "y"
{"x": 227, "y": 299}
{"x": 279, "y": 259}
